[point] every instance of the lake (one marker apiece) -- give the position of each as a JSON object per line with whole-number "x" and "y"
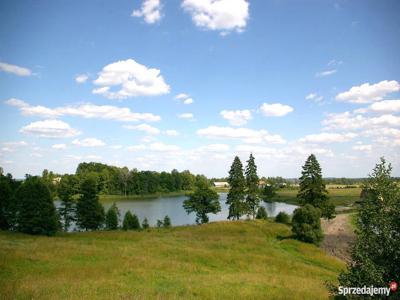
{"x": 157, "y": 208}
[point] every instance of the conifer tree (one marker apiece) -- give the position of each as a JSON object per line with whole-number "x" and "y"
{"x": 167, "y": 222}
{"x": 130, "y": 222}
{"x": 112, "y": 217}
{"x": 236, "y": 194}
{"x": 252, "y": 198}
{"x": 36, "y": 211}
{"x": 145, "y": 224}
{"x": 89, "y": 211}
{"x": 5, "y": 203}
{"x": 66, "y": 191}
{"x": 312, "y": 187}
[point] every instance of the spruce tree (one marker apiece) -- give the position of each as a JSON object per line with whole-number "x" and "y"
{"x": 89, "y": 211}
{"x": 66, "y": 191}
{"x": 202, "y": 201}
{"x": 36, "y": 211}
{"x": 236, "y": 194}
{"x": 112, "y": 217}
{"x": 130, "y": 222}
{"x": 312, "y": 187}
{"x": 167, "y": 222}
{"x": 375, "y": 257}
{"x": 252, "y": 199}
{"x": 145, "y": 224}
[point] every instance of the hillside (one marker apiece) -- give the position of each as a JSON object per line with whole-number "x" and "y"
{"x": 244, "y": 259}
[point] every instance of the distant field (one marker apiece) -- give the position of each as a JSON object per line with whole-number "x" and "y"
{"x": 339, "y": 196}
{"x": 106, "y": 198}
{"x": 224, "y": 260}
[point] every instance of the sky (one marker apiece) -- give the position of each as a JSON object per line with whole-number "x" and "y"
{"x": 189, "y": 84}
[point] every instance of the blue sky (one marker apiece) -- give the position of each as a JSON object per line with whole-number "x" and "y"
{"x": 190, "y": 84}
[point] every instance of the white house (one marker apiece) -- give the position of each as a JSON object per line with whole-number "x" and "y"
{"x": 221, "y": 184}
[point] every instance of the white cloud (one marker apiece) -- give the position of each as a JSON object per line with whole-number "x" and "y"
{"x": 314, "y": 97}
{"x": 236, "y": 117}
{"x": 116, "y": 147}
{"x": 16, "y": 70}
{"x": 86, "y": 110}
{"x": 59, "y": 146}
{"x": 135, "y": 148}
{"x": 349, "y": 121}
{"x": 150, "y": 11}
{"x": 188, "y": 101}
{"x": 385, "y": 106}
{"x": 133, "y": 78}
{"x": 325, "y": 73}
{"x": 161, "y": 147}
{"x": 222, "y": 15}
{"x": 187, "y": 116}
{"x": 13, "y": 146}
{"x": 326, "y": 137}
{"x": 275, "y": 109}
{"x": 366, "y": 148}
{"x": 185, "y": 98}
{"x": 81, "y": 78}
{"x": 244, "y": 134}
{"x": 144, "y": 128}
{"x": 88, "y": 142}
{"x": 367, "y": 93}
{"x": 214, "y": 148}
{"x": 171, "y": 132}
{"x": 50, "y": 129}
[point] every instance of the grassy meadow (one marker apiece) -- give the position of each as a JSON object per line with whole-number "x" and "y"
{"x": 235, "y": 260}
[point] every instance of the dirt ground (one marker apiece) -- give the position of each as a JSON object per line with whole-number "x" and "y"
{"x": 338, "y": 236}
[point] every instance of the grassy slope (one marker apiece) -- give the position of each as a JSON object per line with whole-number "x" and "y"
{"x": 340, "y": 197}
{"x": 234, "y": 260}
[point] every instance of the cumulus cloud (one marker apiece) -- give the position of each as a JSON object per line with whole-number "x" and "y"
{"x": 88, "y": 142}
{"x": 187, "y": 116}
{"x": 185, "y": 98}
{"x": 50, "y": 129}
{"x": 314, "y": 97}
{"x": 244, "y": 134}
{"x": 368, "y": 93}
{"x": 16, "y": 70}
{"x": 171, "y": 132}
{"x": 365, "y": 148}
{"x": 150, "y": 11}
{"x": 148, "y": 129}
{"x": 13, "y": 146}
{"x": 81, "y": 78}
{"x": 132, "y": 79}
{"x": 135, "y": 148}
{"x": 275, "y": 109}
{"x": 350, "y": 121}
{"x": 236, "y": 117}
{"x": 220, "y": 15}
{"x": 59, "y": 146}
{"x": 326, "y": 137}
{"x": 385, "y": 106}
{"x": 325, "y": 73}
{"x": 86, "y": 110}
{"x": 214, "y": 148}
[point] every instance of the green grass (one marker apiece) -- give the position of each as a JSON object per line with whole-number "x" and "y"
{"x": 339, "y": 197}
{"x": 223, "y": 260}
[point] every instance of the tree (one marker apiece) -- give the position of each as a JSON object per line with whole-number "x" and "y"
{"x": 282, "y": 217}
{"x": 112, "y": 217}
{"x": 5, "y": 203}
{"x": 252, "y": 199}
{"x": 167, "y": 222}
{"x": 236, "y": 194}
{"x": 145, "y": 224}
{"x": 312, "y": 187}
{"x": 36, "y": 211}
{"x": 66, "y": 191}
{"x": 268, "y": 192}
{"x": 89, "y": 211}
{"x": 262, "y": 213}
{"x": 131, "y": 221}
{"x": 328, "y": 210}
{"x": 202, "y": 201}
{"x": 306, "y": 224}
{"x": 160, "y": 223}
{"x": 375, "y": 254}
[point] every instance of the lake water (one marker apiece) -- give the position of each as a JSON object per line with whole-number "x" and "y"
{"x": 157, "y": 208}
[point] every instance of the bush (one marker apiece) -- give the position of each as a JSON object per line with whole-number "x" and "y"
{"x": 145, "y": 223}
{"x": 282, "y": 217}
{"x": 262, "y": 213}
{"x": 131, "y": 221}
{"x": 307, "y": 224}
{"x": 167, "y": 222}
{"x": 36, "y": 212}
{"x": 112, "y": 218}
{"x": 160, "y": 223}
{"x": 328, "y": 210}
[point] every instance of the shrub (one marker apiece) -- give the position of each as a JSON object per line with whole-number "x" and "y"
{"x": 307, "y": 224}
{"x": 131, "y": 221}
{"x": 145, "y": 223}
{"x": 282, "y": 217}
{"x": 160, "y": 223}
{"x": 261, "y": 213}
{"x": 112, "y": 218}
{"x": 167, "y": 222}
{"x": 328, "y": 210}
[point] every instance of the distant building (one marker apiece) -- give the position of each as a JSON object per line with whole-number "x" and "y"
{"x": 56, "y": 180}
{"x": 221, "y": 184}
